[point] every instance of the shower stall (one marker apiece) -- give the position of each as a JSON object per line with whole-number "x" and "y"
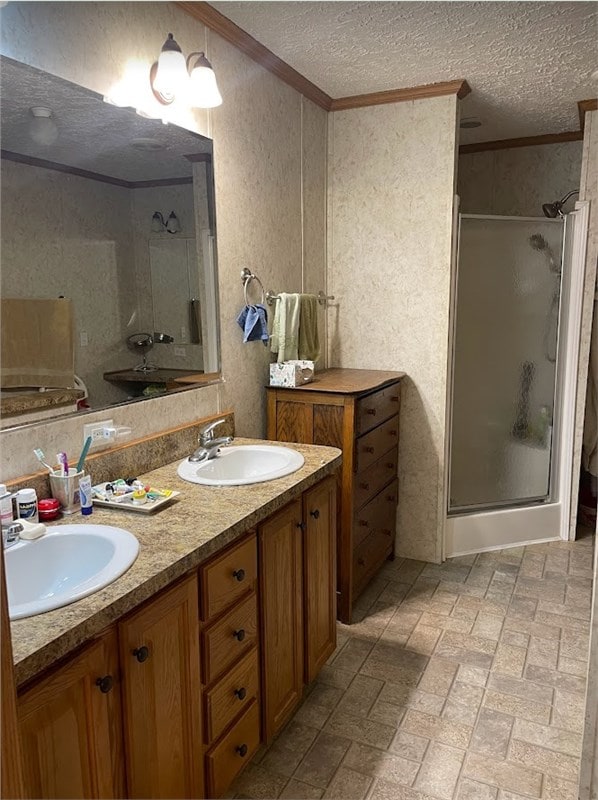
{"x": 515, "y": 325}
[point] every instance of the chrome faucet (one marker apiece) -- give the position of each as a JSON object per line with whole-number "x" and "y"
{"x": 209, "y": 447}
{"x": 11, "y": 534}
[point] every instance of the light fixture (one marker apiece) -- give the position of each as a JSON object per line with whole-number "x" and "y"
{"x": 42, "y": 128}
{"x": 171, "y": 225}
{"x": 172, "y": 76}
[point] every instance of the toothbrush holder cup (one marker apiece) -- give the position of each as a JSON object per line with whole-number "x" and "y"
{"x": 66, "y": 490}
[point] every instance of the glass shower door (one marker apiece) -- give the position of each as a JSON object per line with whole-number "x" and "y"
{"x": 504, "y": 366}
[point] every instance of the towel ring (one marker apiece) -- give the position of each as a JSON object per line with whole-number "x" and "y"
{"x": 247, "y": 276}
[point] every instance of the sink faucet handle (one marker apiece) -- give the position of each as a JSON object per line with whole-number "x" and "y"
{"x": 206, "y": 434}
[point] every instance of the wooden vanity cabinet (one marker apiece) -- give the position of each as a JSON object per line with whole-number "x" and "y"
{"x": 297, "y": 557}
{"x": 159, "y": 655}
{"x": 70, "y": 727}
{"x": 358, "y": 412}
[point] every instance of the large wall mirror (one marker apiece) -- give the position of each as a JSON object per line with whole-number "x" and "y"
{"x": 112, "y": 215}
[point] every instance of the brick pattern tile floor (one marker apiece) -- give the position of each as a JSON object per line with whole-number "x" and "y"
{"x": 460, "y": 681}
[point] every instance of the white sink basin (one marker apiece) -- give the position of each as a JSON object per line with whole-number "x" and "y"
{"x": 69, "y": 562}
{"x": 242, "y": 464}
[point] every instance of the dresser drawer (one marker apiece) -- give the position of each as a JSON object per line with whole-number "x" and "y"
{"x": 376, "y": 407}
{"x": 223, "y": 580}
{"x": 233, "y": 752}
{"x": 368, "y": 556}
{"x": 231, "y": 695}
{"x": 228, "y": 640}
{"x": 369, "y": 482}
{"x": 380, "y": 515}
{"x": 373, "y": 445}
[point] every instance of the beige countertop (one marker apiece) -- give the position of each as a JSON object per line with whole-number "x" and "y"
{"x": 173, "y": 541}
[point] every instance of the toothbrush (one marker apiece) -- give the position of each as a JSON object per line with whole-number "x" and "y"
{"x": 83, "y": 455}
{"x": 64, "y": 464}
{"x": 39, "y": 454}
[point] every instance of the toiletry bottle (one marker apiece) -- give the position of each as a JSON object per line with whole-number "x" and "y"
{"x": 85, "y": 495}
{"x": 6, "y": 512}
{"x": 27, "y": 505}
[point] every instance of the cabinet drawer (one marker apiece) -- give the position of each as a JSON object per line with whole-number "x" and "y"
{"x": 231, "y": 696}
{"x": 375, "y": 408}
{"x": 228, "y": 640}
{"x": 373, "y": 445}
{"x": 227, "y": 759}
{"x": 379, "y": 515}
{"x": 368, "y": 557}
{"x": 369, "y": 482}
{"x": 227, "y": 578}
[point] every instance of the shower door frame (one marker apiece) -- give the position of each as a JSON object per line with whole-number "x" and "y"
{"x": 497, "y": 527}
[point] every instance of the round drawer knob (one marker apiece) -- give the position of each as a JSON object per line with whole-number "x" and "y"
{"x": 394, "y": 433}
{"x": 363, "y": 523}
{"x": 241, "y": 693}
{"x": 390, "y": 465}
{"x": 105, "y": 684}
{"x": 361, "y": 562}
{"x": 371, "y": 412}
{"x": 239, "y": 574}
{"x": 368, "y": 449}
{"x": 301, "y": 525}
{"x": 315, "y": 514}
{"x": 141, "y": 654}
{"x": 239, "y": 635}
{"x": 364, "y": 486}
{"x": 242, "y": 750}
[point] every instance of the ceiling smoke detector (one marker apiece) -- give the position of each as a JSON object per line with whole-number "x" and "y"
{"x": 470, "y": 122}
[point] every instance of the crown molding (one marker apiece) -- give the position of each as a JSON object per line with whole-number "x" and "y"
{"x": 227, "y": 29}
{"x": 524, "y": 141}
{"x": 459, "y": 87}
{"x": 582, "y": 107}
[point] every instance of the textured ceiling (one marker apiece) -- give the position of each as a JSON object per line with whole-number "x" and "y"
{"x": 527, "y": 63}
{"x": 92, "y": 135}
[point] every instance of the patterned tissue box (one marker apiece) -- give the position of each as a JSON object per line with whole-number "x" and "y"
{"x": 291, "y": 373}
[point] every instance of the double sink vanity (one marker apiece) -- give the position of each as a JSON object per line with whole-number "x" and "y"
{"x": 164, "y": 682}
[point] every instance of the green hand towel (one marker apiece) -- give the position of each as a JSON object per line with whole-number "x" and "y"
{"x": 284, "y": 338}
{"x": 309, "y": 342}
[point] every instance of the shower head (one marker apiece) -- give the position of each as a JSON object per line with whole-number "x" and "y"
{"x": 555, "y": 209}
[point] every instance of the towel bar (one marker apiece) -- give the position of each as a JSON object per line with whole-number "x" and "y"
{"x": 270, "y": 297}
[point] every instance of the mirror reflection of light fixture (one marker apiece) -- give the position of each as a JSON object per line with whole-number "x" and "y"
{"x": 42, "y": 128}
{"x": 172, "y": 76}
{"x": 171, "y": 225}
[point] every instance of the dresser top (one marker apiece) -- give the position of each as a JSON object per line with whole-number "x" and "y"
{"x": 346, "y": 381}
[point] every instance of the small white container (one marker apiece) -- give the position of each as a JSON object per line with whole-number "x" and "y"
{"x": 27, "y": 505}
{"x": 6, "y": 510}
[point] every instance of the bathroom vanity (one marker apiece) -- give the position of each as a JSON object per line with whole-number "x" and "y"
{"x": 164, "y": 683}
{"x": 357, "y": 411}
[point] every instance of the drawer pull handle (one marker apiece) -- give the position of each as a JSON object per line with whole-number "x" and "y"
{"x": 239, "y": 574}
{"x": 241, "y": 693}
{"x": 364, "y": 486}
{"x": 105, "y": 683}
{"x": 315, "y": 514}
{"x": 361, "y": 561}
{"x": 390, "y": 465}
{"x": 239, "y": 635}
{"x": 386, "y": 532}
{"x": 394, "y": 398}
{"x": 242, "y": 750}
{"x": 393, "y": 432}
{"x": 371, "y": 412}
{"x": 363, "y": 523}
{"x": 301, "y": 525}
{"x": 368, "y": 449}
{"x": 391, "y": 498}
{"x": 141, "y": 654}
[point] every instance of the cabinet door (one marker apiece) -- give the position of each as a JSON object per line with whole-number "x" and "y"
{"x": 159, "y": 650}
{"x": 319, "y": 575}
{"x": 70, "y": 726}
{"x": 281, "y": 592}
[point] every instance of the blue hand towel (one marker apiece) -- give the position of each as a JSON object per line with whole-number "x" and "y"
{"x": 253, "y": 320}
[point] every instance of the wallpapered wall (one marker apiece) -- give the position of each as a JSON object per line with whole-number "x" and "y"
{"x": 262, "y": 134}
{"x": 391, "y": 188}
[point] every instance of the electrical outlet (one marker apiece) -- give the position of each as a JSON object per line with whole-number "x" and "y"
{"x": 100, "y": 432}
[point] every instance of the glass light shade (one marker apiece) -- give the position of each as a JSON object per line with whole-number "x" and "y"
{"x": 204, "y": 91}
{"x": 157, "y": 222}
{"x": 171, "y": 76}
{"x": 42, "y": 128}
{"x": 173, "y": 225}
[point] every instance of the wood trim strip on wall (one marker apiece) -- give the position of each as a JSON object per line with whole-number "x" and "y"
{"x": 33, "y": 161}
{"x": 582, "y": 107}
{"x": 459, "y": 87}
{"x": 243, "y": 41}
{"x": 227, "y": 29}
{"x": 524, "y": 141}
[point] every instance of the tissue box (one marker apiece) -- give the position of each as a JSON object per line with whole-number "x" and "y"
{"x": 291, "y": 373}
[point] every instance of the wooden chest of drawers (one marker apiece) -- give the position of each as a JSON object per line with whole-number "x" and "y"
{"x": 358, "y": 412}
